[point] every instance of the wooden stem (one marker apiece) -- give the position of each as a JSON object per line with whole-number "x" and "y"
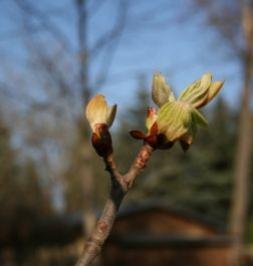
{"x": 120, "y": 185}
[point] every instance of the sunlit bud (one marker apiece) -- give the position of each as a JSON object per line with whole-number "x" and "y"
{"x": 177, "y": 120}
{"x": 161, "y": 91}
{"x": 99, "y": 112}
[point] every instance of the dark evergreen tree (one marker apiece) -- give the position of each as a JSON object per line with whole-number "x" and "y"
{"x": 21, "y": 194}
{"x": 200, "y": 179}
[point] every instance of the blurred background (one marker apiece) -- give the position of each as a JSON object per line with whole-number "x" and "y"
{"x": 186, "y": 207}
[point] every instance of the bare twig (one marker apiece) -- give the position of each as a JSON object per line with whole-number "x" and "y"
{"x": 240, "y": 196}
{"x": 112, "y": 34}
{"x": 82, "y": 29}
{"x": 120, "y": 185}
{"x": 45, "y": 22}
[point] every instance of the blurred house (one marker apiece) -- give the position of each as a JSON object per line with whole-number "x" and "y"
{"x": 145, "y": 235}
{"x": 41, "y": 242}
{"x": 155, "y": 235}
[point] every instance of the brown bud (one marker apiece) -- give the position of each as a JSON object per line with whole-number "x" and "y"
{"x": 101, "y": 140}
{"x": 136, "y": 134}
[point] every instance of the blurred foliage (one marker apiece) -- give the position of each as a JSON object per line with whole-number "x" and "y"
{"x": 199, "y": 180}
{"x": 21, "y": 194}
{"x": 81, "y": 160}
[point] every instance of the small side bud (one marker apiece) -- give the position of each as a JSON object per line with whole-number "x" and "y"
{"x": 136, "y": 134}
{"x": 151, "y": 118}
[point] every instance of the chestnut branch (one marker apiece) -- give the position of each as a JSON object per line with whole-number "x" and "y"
{"x": 176, "y": 119}
{"x": 120, "y": 185}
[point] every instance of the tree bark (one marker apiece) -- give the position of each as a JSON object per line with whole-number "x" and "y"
{"x": 120, "y": 185}
{"x": 243, "y": 155}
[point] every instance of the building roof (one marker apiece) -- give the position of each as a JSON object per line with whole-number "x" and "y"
{"x": 151, "y": 241}
{"x": 148, "y": 206}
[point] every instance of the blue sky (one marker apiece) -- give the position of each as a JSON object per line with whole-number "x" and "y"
{"x": 183, "y": 50}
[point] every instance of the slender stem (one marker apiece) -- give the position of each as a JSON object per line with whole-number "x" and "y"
{"x": 102, "y": 230}
{"x": 139, "y": 164}
{"x": 120, "y": 185}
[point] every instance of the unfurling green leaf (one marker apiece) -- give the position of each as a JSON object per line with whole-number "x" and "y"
{"x": 177, "y": 120}
{"x": 199, "y": 118}
{"x": 174, "y": 119}
{"x": 197, "y": 93}
{"x": 161, "y": 91}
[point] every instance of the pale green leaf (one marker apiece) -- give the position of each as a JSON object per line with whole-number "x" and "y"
{"x": 161, "y": 91}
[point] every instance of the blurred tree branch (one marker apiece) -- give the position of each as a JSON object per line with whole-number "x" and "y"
{"x": 236, "y": 28}
{"x": 239, "y": 207}
{"x": 30, "y": 11}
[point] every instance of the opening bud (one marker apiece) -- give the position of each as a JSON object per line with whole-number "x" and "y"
{"x": 99, "y": 112}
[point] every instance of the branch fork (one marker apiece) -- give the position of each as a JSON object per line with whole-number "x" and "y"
{"x": 120, "y": 185}
{"x": 176, "y": 119}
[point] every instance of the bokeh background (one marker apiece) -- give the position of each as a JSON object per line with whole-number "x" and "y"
{"x": 55, "y": 55}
